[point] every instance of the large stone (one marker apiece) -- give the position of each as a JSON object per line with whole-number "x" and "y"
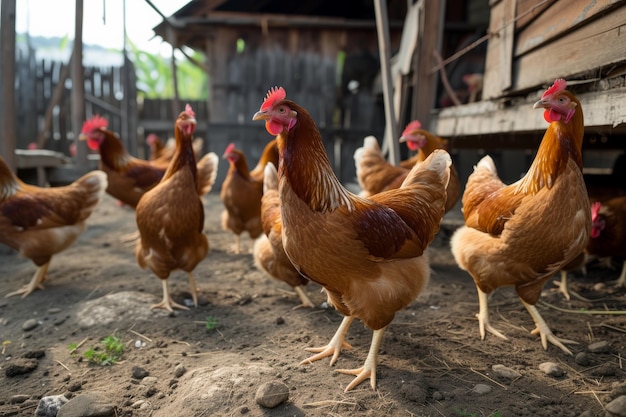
{"x": 91, "y": 404}
{"x": 272, "y": 394}
{"x": 49, "y": 406}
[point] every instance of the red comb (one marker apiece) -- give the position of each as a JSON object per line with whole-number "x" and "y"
{"x": 415, "y": 124}
{"x": 189, "y": 110}
{"x": 229, "y": 149}
{"x": 94, "y": 123}
{"x": 273, "y": 95}
{"x": 559, "y": 85}
{"x": 595, "y": 210}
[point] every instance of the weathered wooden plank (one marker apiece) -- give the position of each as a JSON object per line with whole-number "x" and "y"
{"x": 527, "y": 10}
{"x": 601, "y": 109}
{"x": 507, "y": 36}
{"x": 492, "y": 77}
{"x": 595, "y": 45}
{"x": 561, "y": 17}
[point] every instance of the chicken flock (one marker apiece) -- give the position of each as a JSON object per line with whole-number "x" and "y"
{"x": 372, "y": 257}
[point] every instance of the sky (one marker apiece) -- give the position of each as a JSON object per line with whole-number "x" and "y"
{"x": 56, "y": 19}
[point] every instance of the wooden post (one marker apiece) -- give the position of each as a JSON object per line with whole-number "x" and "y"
{"x": 430, "y": 39}
{"x": 391, "y": 128}
{"x": 7, "y": 80}
{"x": 78, "y": 87}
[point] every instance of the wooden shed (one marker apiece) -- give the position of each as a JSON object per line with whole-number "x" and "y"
{"x": 530, "y": 43}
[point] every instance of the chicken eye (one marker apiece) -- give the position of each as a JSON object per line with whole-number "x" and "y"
{"x": 562, "y": 99}
{"x": 282, "y": 109}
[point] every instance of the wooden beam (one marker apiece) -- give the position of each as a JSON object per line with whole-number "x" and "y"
{"x": 8, "y": 115}
{"x": 391, "y": 126}
{"x": 602, "y": 109}
{"x": 78, "y": 88}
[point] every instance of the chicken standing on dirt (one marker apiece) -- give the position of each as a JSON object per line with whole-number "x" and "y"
{"x": 170, "y": 217}
{"x": 241, "y": 195}
{"x": 41, "y": 222}
{"x": 368, "y": 254}
{"x": 269, "y": 254}
{"x": 521, "y": 234}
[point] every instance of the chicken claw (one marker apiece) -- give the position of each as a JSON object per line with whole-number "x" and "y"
{"x": 544, "y": 331}
{"x": 562, "y": 287}
{"x": 34, "y": 284}
{"x": 304, "y": 299}
{"x": 167, "y": 302}
{"x": 483, "y": 317}
{"x": 334, "y": 346}
{"x": 368, "y": 370}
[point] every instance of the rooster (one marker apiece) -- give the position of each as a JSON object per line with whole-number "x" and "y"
{"x": 129, "y": 177}
{"x": 368, "y": 254}
{"x": 521, "y": 234}
{"x": 269, "y": 254}
{"x": 241, "y": 192}
{"x": 41, "y": 222}
{"x": 375, "y": 174}
{"x": 170, "y": 216}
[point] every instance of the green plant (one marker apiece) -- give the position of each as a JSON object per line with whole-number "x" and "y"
{"x": 110, "y": 352}
{"x": 211, "y": 323}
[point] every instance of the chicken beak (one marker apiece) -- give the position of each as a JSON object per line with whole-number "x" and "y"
{"x": 260, "y": 115}
{"x": 82, "y": 136}
{"x": 402, "y": 139}
{"x": 540, "y": 104}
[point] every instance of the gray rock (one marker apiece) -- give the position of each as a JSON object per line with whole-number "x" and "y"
{"x": 92, "y": 404}
{"x": 599, "y": 347}
{"x": 503, "y": 372}
{"x": 582, "y": 359}
{"x": 438, "y": 396}
{"x": 413, "y": 392}
{"x": 149, "y": 381}
{"x": 49, "y": 406}
{"x": 552, "y": 369}
{"x": 606, "y": 369}
{"x": 29, "y": 324}
{"x": 20, "y": 366}
{"x": 115, "y": 307}
{"x": 617, "y": 407}
{"x": 481, "y": 389}
{"x": 179, "y": 370}
{"x": 272, "y": 394}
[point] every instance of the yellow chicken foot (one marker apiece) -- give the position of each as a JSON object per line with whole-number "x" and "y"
{"x": 483, "y": 317}
{"x": 562, "y": 285}
{"x": 334, "y": 346}
{"x": 304, "y": 299}
{"x": 544, "y": 331}
{"x": 34, "y": 284}
{"x": 167, "y": 302}
{"x": 193, "y": 290}
{"x": 368, "y": 370}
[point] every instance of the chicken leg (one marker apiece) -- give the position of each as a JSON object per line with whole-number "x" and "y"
{"x": 304, "y": 299}
{"x": 561, "y": 286}
{"x": 167, "y": 302}
{"x": 483, "y": 317}
{"x": 544, "y": 331}
{"x": 193, "y": 289}
{"x": 334, "y": 346}
{"x": 35, "y": 282}
{"x": 621, "y": 281}
{"x": 368, "y": 370}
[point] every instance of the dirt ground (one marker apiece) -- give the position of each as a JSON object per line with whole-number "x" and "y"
{"x": 432, "y": 361}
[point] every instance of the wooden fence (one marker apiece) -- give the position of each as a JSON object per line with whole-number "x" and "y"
{"x": 309, "y": 79}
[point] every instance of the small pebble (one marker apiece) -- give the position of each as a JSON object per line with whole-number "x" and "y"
{"x": 481, "y": 389}
{"x": 29, "y": 324}
{"x": 606, "y": 369}
{"x": 179, "y": 370}
{"x": 617, "y": 407}
{"x": 505, "y": 373}
{"x": 49, "y": 406}
{"x": 149, "y": 381}
{"x": 438, "y": 396}
{"x": 272, "y": 394}
{"x": 582, "y": 359}
{"x": 18, "y": 399}
{"x": 54, "y": 311}
{"x": 34, "y": 354}
{"x": 551, "y": 369}
{"x": 137, "y": 404}
{"x": 280, "y": 321}
{"x": 599, "y": 347}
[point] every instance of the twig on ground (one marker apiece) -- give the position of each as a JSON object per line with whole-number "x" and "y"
{"x": 490, "y": 379}
{"x": 146, "y": 338}
{"x": 328, "y": 403}
{"x": 63, "y": 365}
{"x": 82, "y": 342}
{"x": 592, "y": 312}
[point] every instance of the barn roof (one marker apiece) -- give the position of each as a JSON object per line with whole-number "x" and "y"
{"x": 191, "y": 24}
